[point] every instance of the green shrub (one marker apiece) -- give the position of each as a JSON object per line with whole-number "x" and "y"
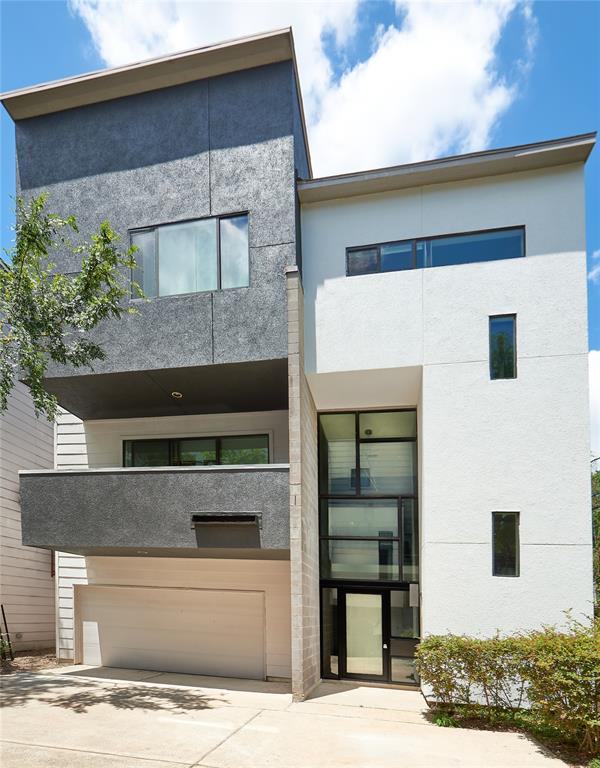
{"x": 562, "y": 671}
{"x": 547, "y": 680}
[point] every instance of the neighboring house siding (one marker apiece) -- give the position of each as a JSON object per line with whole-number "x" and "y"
{"x": 71, "y": 453}
{"x": 26, "y": 583}
{"x": 96, "y": 444}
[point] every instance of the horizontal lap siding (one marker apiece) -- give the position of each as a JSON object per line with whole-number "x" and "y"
{"x": 26, "y": 584}
{"x": 70, "y": 569}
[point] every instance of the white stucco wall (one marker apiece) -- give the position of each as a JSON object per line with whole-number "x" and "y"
{"x": 485, "y": 445}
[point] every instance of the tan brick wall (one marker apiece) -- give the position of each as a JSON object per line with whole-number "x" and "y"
{"x": 304, "y": 513}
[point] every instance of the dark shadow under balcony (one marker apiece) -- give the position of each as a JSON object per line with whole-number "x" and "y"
{"x": 218, "y": 511}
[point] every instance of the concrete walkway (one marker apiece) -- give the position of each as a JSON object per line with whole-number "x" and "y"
{"x": 109, "y": 718}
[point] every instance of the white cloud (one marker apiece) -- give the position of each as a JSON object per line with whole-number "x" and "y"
{"x": 430, "y": 86}
{"x": 594, "y": 363}
{"x": 594, "y": 273}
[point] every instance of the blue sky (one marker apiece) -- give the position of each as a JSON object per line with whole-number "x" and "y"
{"x": 547, "y": 90}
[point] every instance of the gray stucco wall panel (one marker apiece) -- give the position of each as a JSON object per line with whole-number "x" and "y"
{"x": 148, "y": 509}
{"x": 258, "y": 178}
{"x": 247, "y": 322}
{"x": 252, "y": 106}
{"x": 123, "y": 134}
{"x": 212, "y": 147}
{"x": 173, "y": 336}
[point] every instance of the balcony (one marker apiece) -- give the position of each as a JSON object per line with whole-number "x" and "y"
{"x": 221, "y": 511}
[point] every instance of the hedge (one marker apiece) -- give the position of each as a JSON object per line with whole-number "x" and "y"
{"x": 552, "y": 675}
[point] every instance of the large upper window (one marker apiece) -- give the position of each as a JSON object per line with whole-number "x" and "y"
{"x": 196, "y": 451}
{"x": 201, "y": 255}
{"x": 436, "y": 251}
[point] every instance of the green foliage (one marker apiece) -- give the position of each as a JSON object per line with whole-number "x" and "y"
{"x": 46, "y": 316}
{"x": 596, "y": 536}
{"x": 546, "y": 681}
{"x": 444, "y": 720}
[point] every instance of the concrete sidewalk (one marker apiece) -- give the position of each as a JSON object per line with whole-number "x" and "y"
{"x": 106, "y": 718}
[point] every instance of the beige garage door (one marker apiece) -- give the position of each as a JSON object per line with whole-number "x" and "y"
{"x": 208, "y": 632}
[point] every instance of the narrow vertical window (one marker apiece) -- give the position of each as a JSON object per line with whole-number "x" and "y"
{"x": 503, "y": 347}
{"x": 505, "y": 543}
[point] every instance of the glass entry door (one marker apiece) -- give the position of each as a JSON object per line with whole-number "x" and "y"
{"x": 370, "y": 634}
{"x": 365, "y": 620}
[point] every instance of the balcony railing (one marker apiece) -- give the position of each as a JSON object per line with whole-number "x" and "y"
{"x": 156, "y": 508}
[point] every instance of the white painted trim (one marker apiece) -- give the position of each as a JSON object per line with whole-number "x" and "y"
{"x": 138, "y": 470}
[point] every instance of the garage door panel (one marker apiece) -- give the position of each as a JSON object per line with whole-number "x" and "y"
{"x": 195, "y": 631}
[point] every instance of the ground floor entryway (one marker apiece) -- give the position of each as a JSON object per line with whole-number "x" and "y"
{"x": 369, "y": 633}
{"x": 107, "y": 718}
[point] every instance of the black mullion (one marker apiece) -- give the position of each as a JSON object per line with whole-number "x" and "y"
{"x": 386, "y": 627}
{"x": 388, "y": 439}
{"x": 218, "y": 221}
{"x": 357, "y": 448}
{"x": 365, "y": 585}
{"x": 156, "y": 263}
{"x": 218, "y": 450}
{"x": 369, "y": 497}
{"x": 401, "y": 537}
{"x": 334, "y": 537}
{"x": 342, "y": 632}
{"x": 414, "y": 253}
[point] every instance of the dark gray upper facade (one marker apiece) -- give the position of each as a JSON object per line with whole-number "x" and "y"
{"x": 222, "y": 145}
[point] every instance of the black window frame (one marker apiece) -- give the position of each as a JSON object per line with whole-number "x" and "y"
{"x": 155, "y": 227}
{"x": 415, "y": 241}
{"x": 517, "y": 516}
{"x": 506, "y": 316}
{"x": 172, "y": 440}
{"x": 357, "y": 495}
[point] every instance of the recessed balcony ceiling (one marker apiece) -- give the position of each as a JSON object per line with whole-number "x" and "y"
{"x": 235, "y": 387}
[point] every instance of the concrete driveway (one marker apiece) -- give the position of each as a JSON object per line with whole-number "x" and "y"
{"x": 109, "y": 718}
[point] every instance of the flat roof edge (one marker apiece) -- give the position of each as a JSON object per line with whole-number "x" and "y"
{"x": 563, "y": 151}
{"x": 150, "y": 74}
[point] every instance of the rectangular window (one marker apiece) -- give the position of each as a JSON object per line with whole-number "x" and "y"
{"x": 508, "y": 243}
{"x": 192, "y": 256}
{"x": 505, "y": 543}
{"x": 503, "y": 347}
{"x": 196, "y": 451}
{"x": 368, "y": 496}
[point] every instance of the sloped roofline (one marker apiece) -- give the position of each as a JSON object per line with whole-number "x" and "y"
{"x": 523, "y": 157}
{"x": 160, "y": 72}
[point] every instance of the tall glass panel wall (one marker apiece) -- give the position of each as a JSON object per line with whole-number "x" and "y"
{"x": 369, "y": 545}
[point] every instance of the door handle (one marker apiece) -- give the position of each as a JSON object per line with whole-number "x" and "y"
{"x": 385, "y": 646}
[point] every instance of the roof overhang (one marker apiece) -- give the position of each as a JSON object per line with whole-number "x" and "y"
{"x": 526, "y": 157}
{"x": 153, "y": 74}
{"x": 150, "y": 75}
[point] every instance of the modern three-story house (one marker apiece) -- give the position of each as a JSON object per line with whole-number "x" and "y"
{"x": 351, "y": 412}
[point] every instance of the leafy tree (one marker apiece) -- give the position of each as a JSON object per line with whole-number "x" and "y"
{"x": 46, "y": 316}
{"x": 596, "y": 534}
